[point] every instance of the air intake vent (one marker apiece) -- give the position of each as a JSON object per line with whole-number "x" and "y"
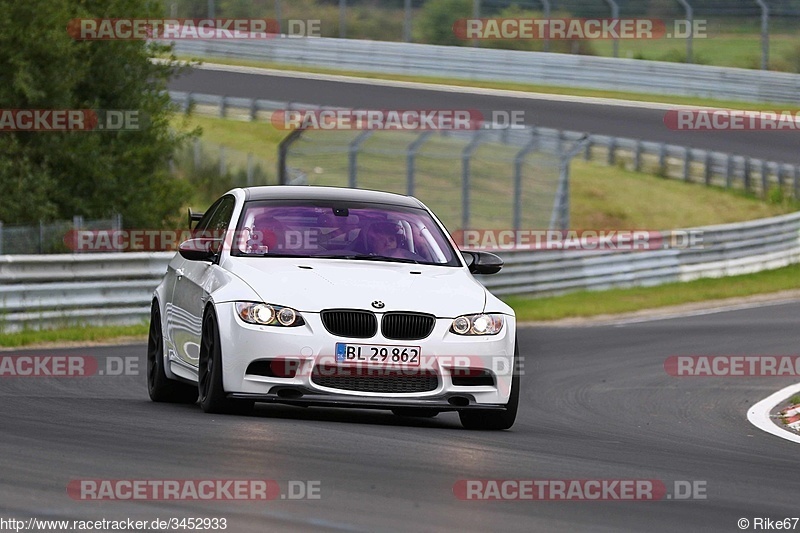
{"x": 350, "y": 323}
{"x": 372, "y": 380}
{"x": 407, "y": 326}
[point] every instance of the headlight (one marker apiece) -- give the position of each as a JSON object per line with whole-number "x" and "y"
{"x": 490, "y": 324}
{"x": 268, "y": 314}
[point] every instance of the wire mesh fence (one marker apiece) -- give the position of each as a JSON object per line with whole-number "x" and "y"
{"x": 49, "y": 237}
{"x": 213, "y": 169}
{"x": 471, "y": 179}
{"x": 743, "y": 28}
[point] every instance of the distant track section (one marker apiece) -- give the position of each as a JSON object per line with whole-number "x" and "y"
{"x": 637, "y": 120}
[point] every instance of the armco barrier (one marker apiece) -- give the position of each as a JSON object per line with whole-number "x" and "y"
{"x": 540, "y": 68}
{"x": 40, "y": 291}
{"x": 728, "y": 249}
{"x": 51, "y": 291}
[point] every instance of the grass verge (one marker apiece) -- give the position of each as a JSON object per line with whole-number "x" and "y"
{"x": 603, "y": 197}
{"x": 76, "y": 334}
{"x": 615, "y": 301}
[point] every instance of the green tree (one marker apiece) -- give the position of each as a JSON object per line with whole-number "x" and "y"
{"x": 436, "y": 18}
{"x": 90, "y": 173}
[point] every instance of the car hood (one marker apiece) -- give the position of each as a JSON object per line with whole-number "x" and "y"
{"x": 312, "y": 285}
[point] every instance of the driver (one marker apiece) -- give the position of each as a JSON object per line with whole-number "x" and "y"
{"x": 383, "y": 238}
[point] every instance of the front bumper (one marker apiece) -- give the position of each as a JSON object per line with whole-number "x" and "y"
{"x": 443, "y": 353}
{"x": 300, "y": 396}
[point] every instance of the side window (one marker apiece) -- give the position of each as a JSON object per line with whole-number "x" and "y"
{"x": 221, "y": 218}
{"x": 202, "y": 224}
{"x": 217, "y": 224}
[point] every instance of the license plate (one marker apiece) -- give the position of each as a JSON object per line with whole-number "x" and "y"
{"x": 377, "y": 354}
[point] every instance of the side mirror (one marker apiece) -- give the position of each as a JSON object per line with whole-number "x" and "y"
{"x": 194, "y": 216}
{"x": 483, "y": 262}
{"x": 203, "y": 249}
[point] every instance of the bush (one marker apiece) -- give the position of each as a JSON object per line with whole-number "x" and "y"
{"x": 434, "y": 23}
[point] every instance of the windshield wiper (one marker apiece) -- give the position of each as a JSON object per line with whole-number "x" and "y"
{"x": 383, "y": 258}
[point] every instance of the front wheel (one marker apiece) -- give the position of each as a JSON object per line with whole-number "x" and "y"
{"x": 213, "y": 398}
{"x": 159, "y": 386}
{"x": 497, "y": 419}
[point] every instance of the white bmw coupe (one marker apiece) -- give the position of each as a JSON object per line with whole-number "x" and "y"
{"x": 320, "y": 296}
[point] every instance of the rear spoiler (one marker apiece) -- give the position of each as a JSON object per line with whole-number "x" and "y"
{"x": 194, "y": 216}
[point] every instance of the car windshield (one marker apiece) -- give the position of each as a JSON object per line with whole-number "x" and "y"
{"x": 341, "y": 230}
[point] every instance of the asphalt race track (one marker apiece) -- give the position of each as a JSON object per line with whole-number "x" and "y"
{"x": 596, "y": 404}
{"x": 632, "y": 122}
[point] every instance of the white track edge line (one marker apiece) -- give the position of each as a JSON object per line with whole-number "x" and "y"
{"x": 758, "y": 414}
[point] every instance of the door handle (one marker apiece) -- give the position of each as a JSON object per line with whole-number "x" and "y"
{"x": 179, "y": 272}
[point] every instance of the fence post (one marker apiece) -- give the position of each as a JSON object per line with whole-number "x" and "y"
{"x": 253, "y": 109}
{"x": 764, "y": 178}
{"x": 279, "y": 15}
{"x": 352, "y": 156}
{"x": 728, "y": 171}
{"x": 187, "y": 104}
{"x": 222, "y": 104}
{"x": 559, "y": 218}
{"x": 411, "y": 155}
{"x": 587, "y": 151}
{"x": 687, "y": 164}
{"x": 690, "y": 18}
{"x": 764, "y": 33}
{"x": 519, "y": 160}
{"x": 476, "y": 14}
{"x": 612, "y": 149}
{"x": 662, "y": 159}
{"x": 283, "y": 151}
{"x": 746, "y": 174}
{"x": 466, "y": 156}
{"x": 707, "y": 168}
{"x": 796, "y": 182}
{"x": 342, "y": 19}
{"x": 546, "y": 6}
{"x": 614, "y": 15}
{"x": 407, "y": 22}
{"x": 637, "y": 156}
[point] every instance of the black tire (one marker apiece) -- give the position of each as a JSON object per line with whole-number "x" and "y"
{"x": 159, "y": 386}
{"x": 496, "y": 419}
{"x": 415, "y": 412}
{"x": 213, "y": 398}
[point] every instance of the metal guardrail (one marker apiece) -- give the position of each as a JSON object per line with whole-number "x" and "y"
{"x": 38, "y": 291}
{"x": 728, "y": 250}
{"x": 44, "y": 291}
{"x": 666, "y": 160}
{"x": 540, "y": 68}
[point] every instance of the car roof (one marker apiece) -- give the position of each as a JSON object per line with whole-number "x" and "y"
{"x": 306, "y": 192}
